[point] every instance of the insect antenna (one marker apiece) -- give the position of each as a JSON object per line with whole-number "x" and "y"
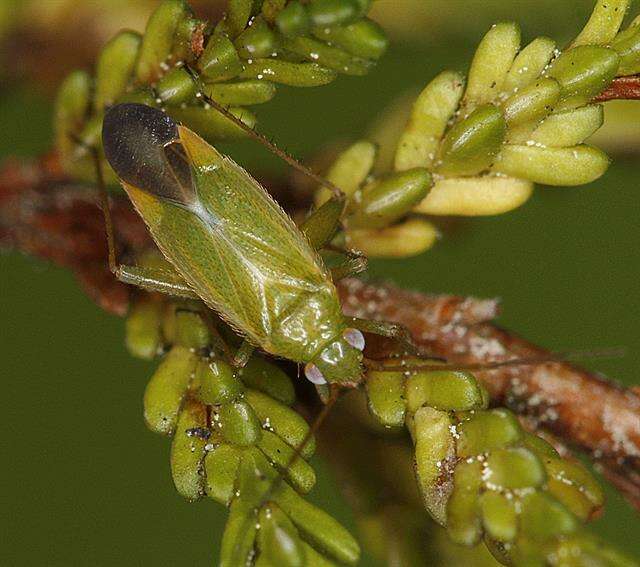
{"x": 265, "y": 141}
{"x": 567, "y": 356}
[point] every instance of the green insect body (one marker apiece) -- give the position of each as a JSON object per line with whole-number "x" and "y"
{"x": 232, "y": 243}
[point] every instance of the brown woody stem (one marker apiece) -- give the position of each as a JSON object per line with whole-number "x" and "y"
{"x": 46, "y": 215}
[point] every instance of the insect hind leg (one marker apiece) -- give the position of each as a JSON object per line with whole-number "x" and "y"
{"x": 150, "y": 279}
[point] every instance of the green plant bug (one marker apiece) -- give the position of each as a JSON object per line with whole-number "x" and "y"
{"x": 231, "y": 243}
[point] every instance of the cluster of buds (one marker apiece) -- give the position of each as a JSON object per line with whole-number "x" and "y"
{"x": 477, "y": 147}
{"x": 235, "y": 437}
{"x": 483, "y": 477}
{"x": 237, "y": 62}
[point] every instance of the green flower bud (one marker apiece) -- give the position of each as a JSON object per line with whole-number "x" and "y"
{"x": 176, "y": 87}
{"x": 166, "y": 390}
{"x": 385, "y": 395}
{"x": 584, "y": 72}
{"x": 364, "y": 38}
{"x": 434, "y": 451}
{"x": 239, "y": 423}
{"x": 604, "y": 23}
{"x": 220, "y": 60}
{"x": 573, "y": 472}
{"x": 514, "y": 467}
{"x": 142, "y": 95}
{"x": 142, "y": 328}
{"x": 187, "y": 451}
{"x": 114, "y": 68}
{"x": 570, "y": 496}
{"x": 158, "y": 40}
{"x": 272, "y": 8}
{"x": 543, "y": 518}
{"x": 627, "y": 45}
{"x": 287, "y": 73}
{"x": 282, "y": 420}
{"x": 221, "y": 471}
{"x": 258, "y": 40}
{"x": 238, "y": 539}
{"x": 299, "y": 474}
{"x": 409, "y": 238}
{"x": 293, "y": 20}
{"x": 475, "y": 196}
{"x": 349, "y": 170}
{"x": 71, "y": 107}
{"x": 333, "y": 12}
{"x": 191, "y": 330}
{"x": 472, "y": 144}
{"x": 211, "y": 124}
{"x": 463, "y": 521}
{"x": 318, "y": 528}
{"x": 553, "y": 166}
{"x": 327, "y": 56}
{"x": 278, "y": 539}
{"x": 532, "y": 102}
{"x": 430, "y": 115}
{"x": 241, "y": 93}
{"x": 498, "y": 516}
{"x": 569, "y": 127}
{"x": 529, "y": 64}
{"x": 585, "y": 549}
{"x": 443, "y": 390}
{"x": 539, "y": 446}
{"x": 491, "y": 63}
{"x": 389, "y": 199}
{"x": 268, "y": 378}
{"x": 238, "y": 14}
{"x": 218, "y": 384}
{"x": 182, "y": 50}
{"x": 487, "y": 431}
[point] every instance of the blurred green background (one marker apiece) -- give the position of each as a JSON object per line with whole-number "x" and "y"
{"x": 85, "y": 483}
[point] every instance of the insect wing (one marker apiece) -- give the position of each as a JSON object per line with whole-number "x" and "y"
{"x": 233, "y": 243}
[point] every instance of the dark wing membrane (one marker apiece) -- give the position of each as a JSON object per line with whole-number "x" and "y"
{"x": 142, "y": 145}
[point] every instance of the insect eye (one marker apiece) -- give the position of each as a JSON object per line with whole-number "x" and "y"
{"x": 355, "y": 338}
{"x": 313, "y": 374}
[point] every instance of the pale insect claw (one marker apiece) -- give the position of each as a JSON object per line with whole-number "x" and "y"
{"x": 313, "y": 374}
{"x": 355, "y": 338}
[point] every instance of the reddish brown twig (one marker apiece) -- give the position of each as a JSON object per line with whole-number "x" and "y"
{"x": 45, "y": 215}
{"x": 625, "y": 88}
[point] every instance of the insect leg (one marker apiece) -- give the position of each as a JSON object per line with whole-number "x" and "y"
{"x": 155, "y": 279}
{"x": 386, "y": 329}
{"x": 322, "y": 224}
{"x": 356, "y": 263}
{"x": 151, "y": 279}
{"x": 243, "y": 354}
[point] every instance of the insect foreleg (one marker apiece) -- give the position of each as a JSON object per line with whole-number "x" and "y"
{"x": 243, "y": 354}
{"x": 154, "y": 279}
{"x": 356, "y": 263}
{"x": 386, "y": 329}
{"x": 322, "y": 224}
